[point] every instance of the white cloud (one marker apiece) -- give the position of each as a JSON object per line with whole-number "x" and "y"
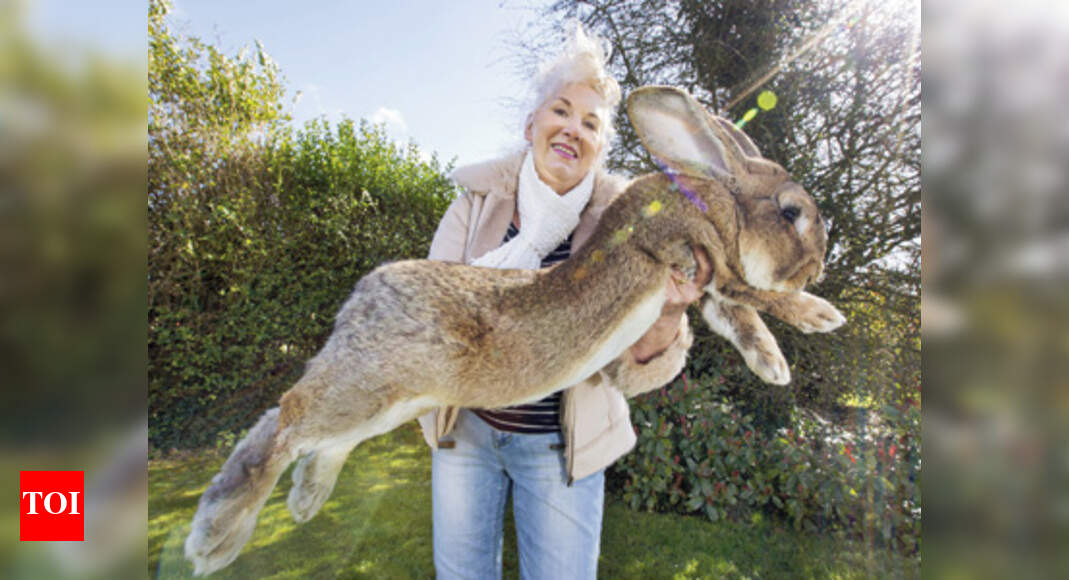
{"x": 392, "y": 119}
{"x": 308, "y": 104}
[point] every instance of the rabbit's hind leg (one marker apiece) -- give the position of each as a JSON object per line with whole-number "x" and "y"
{"x": 313, "y": 480}
{"x": 226, "y": 514}
{"x": 317, "y": 471}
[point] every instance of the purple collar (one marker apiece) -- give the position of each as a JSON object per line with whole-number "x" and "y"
{"x": 693, "y": 197}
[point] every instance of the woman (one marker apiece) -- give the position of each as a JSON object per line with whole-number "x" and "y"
{"x": 531, "y": 210}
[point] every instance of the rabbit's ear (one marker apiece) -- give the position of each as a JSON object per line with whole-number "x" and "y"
{"x": 744, "y": 148}
{"x": 742, "y": 141}
{"x": 678, "y": 131}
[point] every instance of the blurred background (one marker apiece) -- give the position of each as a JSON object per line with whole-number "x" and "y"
{"x": 994, "y": 309}
{"x": 995, "y": 305}
{"x": 73, "y": 104}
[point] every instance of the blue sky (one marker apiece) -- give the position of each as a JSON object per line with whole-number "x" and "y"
{"x": 439, "y": 73}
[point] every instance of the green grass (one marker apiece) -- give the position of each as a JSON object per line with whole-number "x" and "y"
{"x": 377, "y": 524}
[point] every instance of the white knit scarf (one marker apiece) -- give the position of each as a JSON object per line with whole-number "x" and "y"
{"x": 546, "y": 219}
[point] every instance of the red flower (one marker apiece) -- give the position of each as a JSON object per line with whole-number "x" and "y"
{"x": 846, "y": 449}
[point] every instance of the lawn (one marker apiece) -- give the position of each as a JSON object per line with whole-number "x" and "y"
{"x": 377, "y": 525}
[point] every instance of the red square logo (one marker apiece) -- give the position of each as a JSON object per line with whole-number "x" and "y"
{"x": 52, "y": 506}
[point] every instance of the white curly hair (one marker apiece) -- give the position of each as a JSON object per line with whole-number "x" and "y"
{"x": 582, "y": 61}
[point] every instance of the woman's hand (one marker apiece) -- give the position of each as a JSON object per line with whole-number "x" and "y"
{"x": 680, "y": 293}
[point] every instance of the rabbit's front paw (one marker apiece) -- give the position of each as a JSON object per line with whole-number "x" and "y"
{"x": 742, "y": 325}
{"x": 810, "y": 313}
{"x": 767, "y": 362}
{"x": 681, "y": 258}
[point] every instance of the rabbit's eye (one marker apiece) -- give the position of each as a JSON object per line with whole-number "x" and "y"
{"x": 790, "y": 213}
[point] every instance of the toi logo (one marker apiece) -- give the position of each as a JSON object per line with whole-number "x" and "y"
{"x": 51, "y": 506}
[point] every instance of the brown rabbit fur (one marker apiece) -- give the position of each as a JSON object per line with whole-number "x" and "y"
{"x": 416, "y": 335}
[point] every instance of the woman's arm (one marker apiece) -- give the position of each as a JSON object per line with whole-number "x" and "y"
{"x": 661, "y": 353}
{"x": 451, "y": 237}
{"x": 680, "y": 294}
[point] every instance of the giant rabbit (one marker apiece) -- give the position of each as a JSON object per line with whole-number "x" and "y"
{"x": 416, "y": 335}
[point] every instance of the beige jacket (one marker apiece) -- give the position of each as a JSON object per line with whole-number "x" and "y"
{"x": 595, "y": 418}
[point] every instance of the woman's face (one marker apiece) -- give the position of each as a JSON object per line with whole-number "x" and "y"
{"x": 566, "y": 135}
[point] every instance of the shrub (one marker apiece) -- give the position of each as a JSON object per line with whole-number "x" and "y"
{"x": 699, "y": 454}
{"x": 247, "y": 271}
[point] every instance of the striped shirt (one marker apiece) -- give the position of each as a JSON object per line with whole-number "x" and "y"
{"x": 541, "y": 416}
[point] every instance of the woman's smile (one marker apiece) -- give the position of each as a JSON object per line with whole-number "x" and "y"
{"x": 565, "y": 151}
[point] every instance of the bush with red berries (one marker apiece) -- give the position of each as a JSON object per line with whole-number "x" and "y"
{"x": 698, "y": 454}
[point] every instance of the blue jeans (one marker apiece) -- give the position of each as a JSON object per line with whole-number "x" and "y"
{"x": 558, "y": 527}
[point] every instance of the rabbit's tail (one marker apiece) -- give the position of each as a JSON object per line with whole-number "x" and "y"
{"x": 227, "y": 511}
